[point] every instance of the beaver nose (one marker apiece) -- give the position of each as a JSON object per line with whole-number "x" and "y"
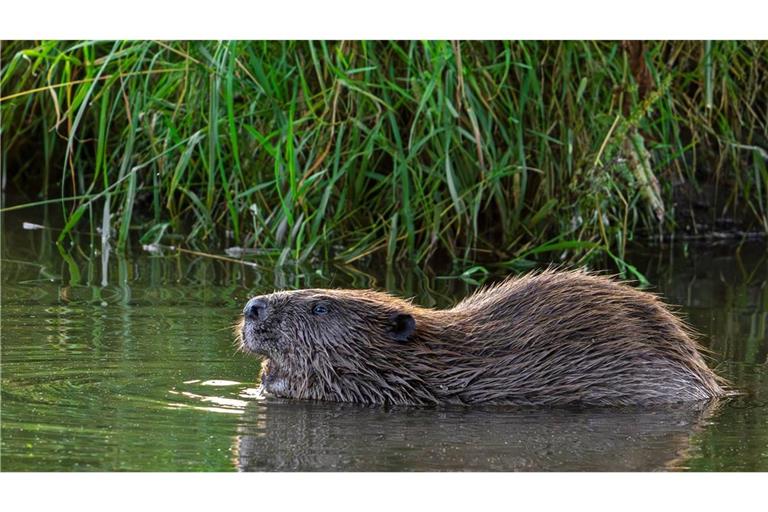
{"x": 255, "y": 309}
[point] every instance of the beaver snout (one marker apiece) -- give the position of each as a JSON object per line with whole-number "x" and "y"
{"x": 257, "y": 327}
{"x": 256, "y": 309}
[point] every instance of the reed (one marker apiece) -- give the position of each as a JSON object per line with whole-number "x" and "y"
{"x": 475, "y": 151}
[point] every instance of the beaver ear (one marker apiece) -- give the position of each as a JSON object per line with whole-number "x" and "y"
{"x": 402, "y": 326}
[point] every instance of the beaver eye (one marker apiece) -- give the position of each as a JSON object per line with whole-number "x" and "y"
{"x": 320, "y": 309}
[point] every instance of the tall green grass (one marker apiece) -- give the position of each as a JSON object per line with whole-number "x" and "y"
{"x": 479, "y": 151}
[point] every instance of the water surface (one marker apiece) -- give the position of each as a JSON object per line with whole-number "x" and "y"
{"x": 127, "y": 362}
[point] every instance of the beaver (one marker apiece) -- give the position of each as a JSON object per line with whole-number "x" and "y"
{"x": 553, "y": 338}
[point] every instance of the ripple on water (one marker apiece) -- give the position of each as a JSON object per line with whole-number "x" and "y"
{"x": 223, "y": 403}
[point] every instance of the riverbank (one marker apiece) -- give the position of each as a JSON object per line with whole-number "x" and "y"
{"x": 473, "y": 151}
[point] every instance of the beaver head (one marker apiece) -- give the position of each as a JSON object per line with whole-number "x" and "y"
{"x": 341, "y": 345}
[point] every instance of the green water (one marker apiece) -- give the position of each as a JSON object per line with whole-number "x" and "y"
{"x": 127, "y": 363}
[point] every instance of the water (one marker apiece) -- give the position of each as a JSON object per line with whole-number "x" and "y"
{"x": 141, "y": 374}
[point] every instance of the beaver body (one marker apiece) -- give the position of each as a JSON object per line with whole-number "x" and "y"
{"x": 553, "y": 338}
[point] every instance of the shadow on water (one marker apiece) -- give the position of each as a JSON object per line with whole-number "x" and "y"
{"x": 283, "y": 436}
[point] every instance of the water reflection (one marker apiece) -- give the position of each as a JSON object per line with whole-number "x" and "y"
{"x": 303, "y": 436}
{"x": 723, "y": 290}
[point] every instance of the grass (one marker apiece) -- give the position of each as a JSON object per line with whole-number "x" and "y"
{"x": 476, "y": 151}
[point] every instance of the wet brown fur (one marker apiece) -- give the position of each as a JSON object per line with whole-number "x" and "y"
{"x": 552, "y": 338}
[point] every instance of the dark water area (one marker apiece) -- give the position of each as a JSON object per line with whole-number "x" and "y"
{"x": 127, "y": 363}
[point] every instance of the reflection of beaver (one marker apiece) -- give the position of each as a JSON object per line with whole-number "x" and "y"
{"x": 311, "y": 436}
{"x": 553, "y": 338}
